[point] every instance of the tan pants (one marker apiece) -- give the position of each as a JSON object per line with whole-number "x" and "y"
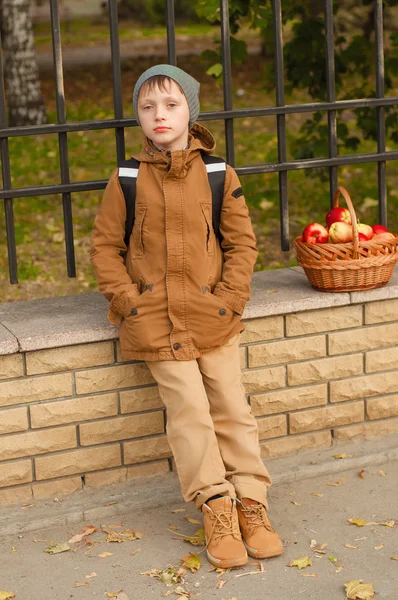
{"x": 210, "y": 428}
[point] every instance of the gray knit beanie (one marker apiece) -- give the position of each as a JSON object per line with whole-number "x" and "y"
{"x": 188, "y": 84}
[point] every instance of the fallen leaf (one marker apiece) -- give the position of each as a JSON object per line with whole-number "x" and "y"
{"x": 339, "y": 482}
{"x": 87, "y": 530}
{"x": 6, "y": 595}
{"x": 90, "y": 575}
{"x": 315, "y": 494}
{"x": 294, "y": 502}
{"x": 271, "y": 291}
{"x": 181, "y": 592}
{"x": 113, "y": 594}
{"x": 196, "y": 540}
{"x": 55, "y": 548}
{"x": 135, "y": 552}
{"x": 220, "y": 583}
{"x": 360, "y": 539}
{"x": 382, "y": 473}
{"x": 343, "y": 455}
{"x": 394, "y": 558}
{"x": 177, "y": 510}
{"x": 385, "y": 523}
{"x": 332, "y": 559}
{"x": 379, "y": 547}
{"x": 193, "y": 521}
{"x": 105, "y": 554}
{"x": 340, "y": 568}
{"x": 301, "y": 563}
{"x": 357, "y": 522}
{"x": 355, "y": 590}
{"x": 192, "y": 562}
{"x": 81, "y": 584}
{"x": 308, "y": 574}
{"x": 361, "y": 472}
{"x": 351, "y": 546}
{"x": 110, "y": 503}
{"x": 27, "y": 505}
{"x": 170, "y": 576}
{"x": 40, "y": 541}
{"x": 13, "y": 549}
{"x": 123, "y": 536}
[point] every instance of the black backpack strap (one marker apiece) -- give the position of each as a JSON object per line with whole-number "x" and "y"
{"x": 128, "y": 173}
{"x": 216, "y": 168}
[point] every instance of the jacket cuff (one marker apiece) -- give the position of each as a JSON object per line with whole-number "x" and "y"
{"x": 235, "y": 302}
{"x": 120, "y": 303}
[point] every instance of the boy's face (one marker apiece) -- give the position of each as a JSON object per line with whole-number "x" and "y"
{"x": 164, "y": 116}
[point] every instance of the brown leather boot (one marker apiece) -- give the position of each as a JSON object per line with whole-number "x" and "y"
{"x": 259, "y": 537}
{"x": 224, "y": 546}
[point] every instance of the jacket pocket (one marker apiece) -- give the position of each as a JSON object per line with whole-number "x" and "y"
{"x": 206, "y": 210}
{"x": 137, "y": 239}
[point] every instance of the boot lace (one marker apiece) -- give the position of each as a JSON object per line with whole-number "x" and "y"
{"x": 223, "y": 524}
{"x": 256, "y": 516}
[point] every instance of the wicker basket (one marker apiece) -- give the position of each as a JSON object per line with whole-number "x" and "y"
{"x": 349, "y": 267}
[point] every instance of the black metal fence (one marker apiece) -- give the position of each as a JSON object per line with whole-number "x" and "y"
{"x": 280, "y": 110}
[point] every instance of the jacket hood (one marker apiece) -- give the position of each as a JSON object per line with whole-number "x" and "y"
{"x": 199, "y": 139}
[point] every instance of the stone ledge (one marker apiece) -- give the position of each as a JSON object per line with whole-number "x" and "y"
{"x": 78, "y": 319}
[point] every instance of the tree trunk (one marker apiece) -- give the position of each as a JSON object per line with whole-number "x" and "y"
{"x": 25, "y": 102}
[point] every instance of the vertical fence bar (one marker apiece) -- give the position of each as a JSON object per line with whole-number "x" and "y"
{"x": 62, "y": 137}
{"x": 227, "y": 81}
{"x": 281, "y": 121}
{"x": 171, "y": 34}
{"x": 6, "y": 173}
{"x": 116, "y": 78}
{"x": 380, "y": 116}
{"x": 331, "y": 94}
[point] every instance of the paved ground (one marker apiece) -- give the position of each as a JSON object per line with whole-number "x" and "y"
{"x": 302, "y": 510}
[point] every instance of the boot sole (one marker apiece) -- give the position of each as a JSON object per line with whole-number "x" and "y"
{"x": 227, "y": 563}
{"x": 253, "y": 554}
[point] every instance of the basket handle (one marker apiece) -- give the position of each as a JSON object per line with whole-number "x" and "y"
{"x": 355, "y": 240}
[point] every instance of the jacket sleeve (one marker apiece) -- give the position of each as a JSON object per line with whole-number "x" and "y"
{"x": 107, "y": 248}
{"x": 238, "y": 245}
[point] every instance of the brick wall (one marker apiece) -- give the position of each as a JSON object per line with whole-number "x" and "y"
{"x": 79, "y": 415}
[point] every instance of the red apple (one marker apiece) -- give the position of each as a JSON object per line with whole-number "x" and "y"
{"x": 366, "y": 230}
{"x": 315, "y": 233}
{"x": 379, "y": 228}
{"x": 340, "y": 233}
{"x": 337, "y": 214}
{"x": 362, "y": 237}
{"x": 384, "y": 235}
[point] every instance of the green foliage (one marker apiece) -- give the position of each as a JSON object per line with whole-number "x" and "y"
{"x": 153, "y": 11}
{"x": 305, "y": 64}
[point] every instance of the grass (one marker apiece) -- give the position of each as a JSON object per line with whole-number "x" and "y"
{"x": 35, "y": 161}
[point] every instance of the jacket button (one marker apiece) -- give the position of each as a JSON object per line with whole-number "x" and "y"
{"x": 222, "y": 311}
{"x": 133, "y": 311}
{"x": 176, "y": 346}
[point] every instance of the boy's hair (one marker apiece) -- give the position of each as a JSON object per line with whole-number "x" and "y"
{"x": 160, "y": 82}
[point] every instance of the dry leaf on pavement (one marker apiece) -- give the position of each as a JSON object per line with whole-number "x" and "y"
{"x": 81, "y": 584}
{"x": 351, "y": 546}
{"x": 193, "y": 521}
{"x": 113, "y": 594}
{"x": 196, "y": 540}
{"x": 315, "y": 494}
{"x": 357, "y": 522}
{"x": 128, "y": 535}
{"x": 177, "y": 510}
{"x": 135, "y": 552}
{"x": 294, "y": 502}
{"x": 382, "y": 473}
{"x": 88, "y": 530}
{"x": 355, "y": 590}
{"x": 379, "y": 547}
{"x": 343, "y": 455}
{"x": 394, "y": 558}
{"x": 192, "y": 562}
{"x": 361, "y": 472}
{"x": 336, "y": 483}
{"x": 6, "y": 595}
{"x": 301, "y": 563}
{"x": 90, "y": 575}
{"x": 105, "y": 554}
{"x": 55, "y": 548}
{"x": 220, "y": 583}
{"x": 308, "y": 574}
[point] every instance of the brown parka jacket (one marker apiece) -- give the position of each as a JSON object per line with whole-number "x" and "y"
{"x": 176, "y": 293}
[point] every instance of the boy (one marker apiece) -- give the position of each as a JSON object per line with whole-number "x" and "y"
{"x": 178, "y": 295}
